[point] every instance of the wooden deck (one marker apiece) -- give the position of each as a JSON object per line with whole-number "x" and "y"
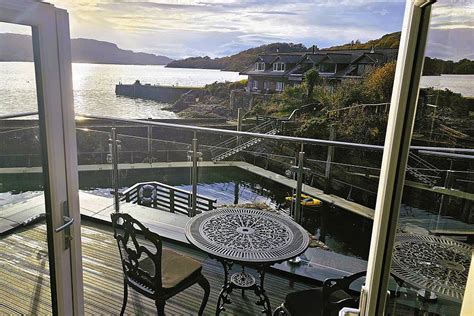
{"x": 317, "y": 264}
{"x": 24, "y": 278}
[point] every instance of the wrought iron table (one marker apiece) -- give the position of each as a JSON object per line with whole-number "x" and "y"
{"x": 433, "y": 264}
{"x": 250, "y": 238}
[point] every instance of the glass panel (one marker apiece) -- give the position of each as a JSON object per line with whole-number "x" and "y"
{"x": 24, "y": 274}
{"x": 94, "y": 153}
{"x": 434, "y": 239}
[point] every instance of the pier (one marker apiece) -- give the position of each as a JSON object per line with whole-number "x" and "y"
{"x": 165, "y": 94}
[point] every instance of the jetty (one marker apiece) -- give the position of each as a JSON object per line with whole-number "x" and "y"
{"x": 165, "y": 94}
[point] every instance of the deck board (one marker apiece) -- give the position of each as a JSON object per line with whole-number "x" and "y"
{"x": 24, "y": 278}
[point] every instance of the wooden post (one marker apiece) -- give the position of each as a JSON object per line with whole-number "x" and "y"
{"x": 236, "y": 192}
{"x": 239, "y": 119}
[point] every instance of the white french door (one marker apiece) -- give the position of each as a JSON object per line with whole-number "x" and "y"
{"x": 392, "y": 189}
{"x": 56, "y": 130}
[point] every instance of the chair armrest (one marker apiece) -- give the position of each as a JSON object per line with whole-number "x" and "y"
{"x": 344, "y": 282}
{"x": 347, "y": 302}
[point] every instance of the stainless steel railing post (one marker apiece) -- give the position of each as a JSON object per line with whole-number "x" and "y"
{"x": 194, "y": 175}
{"x": 115, "y": 174}
{"x": 299, "y": 184}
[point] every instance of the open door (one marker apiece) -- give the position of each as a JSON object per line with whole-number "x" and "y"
{"x": 54, "y": 167}
{"x": 422, "y": 242}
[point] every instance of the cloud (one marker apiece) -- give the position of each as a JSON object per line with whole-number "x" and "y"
{"x": 217, "y": 27}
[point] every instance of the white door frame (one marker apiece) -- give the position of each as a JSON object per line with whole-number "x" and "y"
{"x": 397, "y": 145}
{"x": 52, "y": 55}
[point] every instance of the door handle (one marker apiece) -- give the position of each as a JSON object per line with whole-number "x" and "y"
{"x": 67, "y": 222}
{"x": 66, "y": 227}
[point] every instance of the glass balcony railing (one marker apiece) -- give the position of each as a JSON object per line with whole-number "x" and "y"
{"x": 163, "y": 173}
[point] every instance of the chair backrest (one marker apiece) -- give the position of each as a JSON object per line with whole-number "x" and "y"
{"x": 331, "y": 286}
{"x": 133, "y": 251}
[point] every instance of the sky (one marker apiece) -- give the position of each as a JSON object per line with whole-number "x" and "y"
{"x": 182, "y": 28}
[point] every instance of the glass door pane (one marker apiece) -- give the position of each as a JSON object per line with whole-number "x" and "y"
{"x": 25, "y": 286}
{"x": 433, "y": 243}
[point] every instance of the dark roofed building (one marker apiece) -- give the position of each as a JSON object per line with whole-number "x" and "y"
{"x": 271, "y": 73}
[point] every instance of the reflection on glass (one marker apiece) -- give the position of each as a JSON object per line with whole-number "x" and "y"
{"x": 433, "y": 244}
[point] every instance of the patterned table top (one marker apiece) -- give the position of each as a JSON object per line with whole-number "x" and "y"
{"x": 247, "y": 235}
{"x": 438, "y": 264}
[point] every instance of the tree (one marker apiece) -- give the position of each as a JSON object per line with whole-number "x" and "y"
{"x": 379, "y": 83}
{"x": 312, "y": 78}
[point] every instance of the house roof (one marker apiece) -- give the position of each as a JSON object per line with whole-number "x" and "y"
{"x": 370, "y": 58}
{"x": 265, "y": 58}
{"x": 339, "y": 58}
{"x": 315, "y": 58}
{"x": 287, "y": 58}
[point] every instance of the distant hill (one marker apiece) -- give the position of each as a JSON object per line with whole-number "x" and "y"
{"x": 391, "y": 40}
{"x": 17, "y": 47}
{"x": 238, "y": 61}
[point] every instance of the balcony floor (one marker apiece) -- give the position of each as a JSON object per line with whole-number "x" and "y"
{"x": 24, "y": 278}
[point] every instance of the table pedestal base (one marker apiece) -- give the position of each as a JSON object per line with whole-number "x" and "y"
{"x": 427, "y": 296}
{"x": 243, "y": 281}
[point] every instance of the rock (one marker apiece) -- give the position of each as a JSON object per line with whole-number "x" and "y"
{"x": 206, "y": 111}
{"x": 318, "y": 244}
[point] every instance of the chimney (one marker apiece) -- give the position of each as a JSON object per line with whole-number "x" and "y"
{"x": 314, "y": 49}
{"x": 278, "y": 49}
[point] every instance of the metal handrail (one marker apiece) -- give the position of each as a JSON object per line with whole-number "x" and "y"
{"x": 231, "y": 140}
{"x": 299, "y": 140}
{"x": 9, "y": 116}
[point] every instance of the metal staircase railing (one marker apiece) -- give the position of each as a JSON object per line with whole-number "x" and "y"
{"x": 422, "y": 170}
{"x": 230, "y": 144}
{"x": 241, "y": 147}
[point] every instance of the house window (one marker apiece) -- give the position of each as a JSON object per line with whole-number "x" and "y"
{"x": 328, "y": 68}
{"x": 266, "y": 85}
{"x": 255, "y": 85}
{"x": 260, "y": 66}
{"x": 279, "y": 67}
{"x": 279, "y": 86}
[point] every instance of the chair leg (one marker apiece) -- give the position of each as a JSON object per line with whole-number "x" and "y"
{"x": 160, "y": 307}
{"x": 281, "y": 311}
{"x": 125, "y": 297}
{"x": 202, "y": 281}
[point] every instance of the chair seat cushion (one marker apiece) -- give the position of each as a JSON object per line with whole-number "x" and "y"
{"x": 309, "y": 302}
{"x": 175, "y": 268}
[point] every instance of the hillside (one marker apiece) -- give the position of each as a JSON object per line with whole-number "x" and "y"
{"x": 16, "y": 47}
{"x": 391, "y": 40}
{"x": 238, "y": 61}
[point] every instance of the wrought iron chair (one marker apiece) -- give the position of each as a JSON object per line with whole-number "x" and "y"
{"x": 325, "y": 301}
{"x": 155, "y": 272}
